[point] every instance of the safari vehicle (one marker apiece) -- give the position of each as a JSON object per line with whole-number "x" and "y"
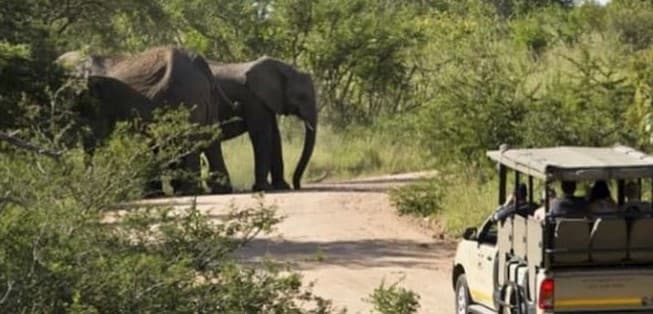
{"x": 590, "y": 263}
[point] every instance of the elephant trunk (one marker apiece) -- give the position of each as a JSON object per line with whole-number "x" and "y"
{"x": 309, "y": 143}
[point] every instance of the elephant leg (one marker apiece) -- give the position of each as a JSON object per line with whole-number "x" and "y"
{"x": 276, "y": 161}
{"x": 219, "y": 179}
{"x": 260, "y": 133}
{"x": 188, "y": 183}
{"x": 154, "y": 187}
{"x": 155, "y": 184}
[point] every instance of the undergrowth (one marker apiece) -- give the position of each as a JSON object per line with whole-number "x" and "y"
{"x": 393, "y": 299}
{"x": 421, "y": 199}
{"x": 458, "y": 198}
{"x": 467, "y": 202}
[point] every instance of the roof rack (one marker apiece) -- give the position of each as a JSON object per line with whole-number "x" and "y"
{"x": 575, "y": 163}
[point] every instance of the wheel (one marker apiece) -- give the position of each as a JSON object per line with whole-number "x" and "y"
{"x": 462, "y": 295}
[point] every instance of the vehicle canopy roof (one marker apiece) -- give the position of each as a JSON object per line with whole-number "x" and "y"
{"x": 575, "y": 163}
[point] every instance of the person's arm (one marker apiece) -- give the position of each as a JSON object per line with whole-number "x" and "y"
{"x": 503, "y": 212}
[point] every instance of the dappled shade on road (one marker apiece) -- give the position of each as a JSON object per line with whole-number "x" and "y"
{"x": 355, "y": 253}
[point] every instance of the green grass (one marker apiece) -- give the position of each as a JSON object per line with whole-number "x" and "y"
{"x": 337, "y": 155}
{"x": 467, "y": 203}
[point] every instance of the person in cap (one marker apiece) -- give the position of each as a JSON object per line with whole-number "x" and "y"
{"x": 517, "y": 203}
{"x": 569, "y": 204}
{"x": 600, "y": 201}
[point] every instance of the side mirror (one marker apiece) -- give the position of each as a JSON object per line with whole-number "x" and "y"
{"x": 470, "y": 233}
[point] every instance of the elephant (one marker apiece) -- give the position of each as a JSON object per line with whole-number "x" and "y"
{"x": 260, "y": 90}
{"x": 160, "y": 77}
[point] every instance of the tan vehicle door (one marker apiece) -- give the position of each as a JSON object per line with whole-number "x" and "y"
{"x": 481, "y": 286}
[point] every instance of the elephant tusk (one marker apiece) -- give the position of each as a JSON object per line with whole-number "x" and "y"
{"x": 309, "y": 126}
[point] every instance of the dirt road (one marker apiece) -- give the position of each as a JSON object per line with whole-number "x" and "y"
{"x": 346, "y": 237}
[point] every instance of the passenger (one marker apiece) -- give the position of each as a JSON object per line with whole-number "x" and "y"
{"x": 516, "y": 203}
{"x": 632, "y": 191}
{"x": 540, "y": 213}
{"x": 568, "y": 204}
{"x": 600, "y": 201}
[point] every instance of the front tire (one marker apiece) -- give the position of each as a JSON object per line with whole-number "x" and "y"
{"x": 462, "y": 295}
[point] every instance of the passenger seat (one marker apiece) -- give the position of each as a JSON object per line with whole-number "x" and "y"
{"x": 641, "y": 246}
{"x": 609, "y": 240}
{"x": 571, "y": 235}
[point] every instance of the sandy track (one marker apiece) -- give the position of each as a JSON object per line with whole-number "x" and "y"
{"x": 347, "y": 238}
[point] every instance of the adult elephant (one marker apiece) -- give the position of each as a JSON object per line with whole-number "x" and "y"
{"x": 263, "y": 89}
{"x": 134, "y": 86}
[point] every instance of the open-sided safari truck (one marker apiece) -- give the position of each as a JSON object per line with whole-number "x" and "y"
{"x": 589, "y": 263}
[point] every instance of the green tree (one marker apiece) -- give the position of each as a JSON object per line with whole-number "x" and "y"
{"x": 361, "y": 53}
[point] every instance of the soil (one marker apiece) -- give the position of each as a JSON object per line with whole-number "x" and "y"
{"x": 347, "y": 239}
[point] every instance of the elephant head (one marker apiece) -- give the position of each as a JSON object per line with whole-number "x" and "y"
{"x": 289, "y": 92}
{"x": 85, "y": 65}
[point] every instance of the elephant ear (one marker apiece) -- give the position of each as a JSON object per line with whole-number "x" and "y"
{"x": 266, "y": 78}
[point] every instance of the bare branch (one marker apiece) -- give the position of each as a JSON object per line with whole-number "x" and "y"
{"x": 11, "y": 139}
{"x": 10, "y": 285}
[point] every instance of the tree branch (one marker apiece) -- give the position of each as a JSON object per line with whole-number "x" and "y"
{"x": 11, "y": 139}
{"x": 10, "y": 285}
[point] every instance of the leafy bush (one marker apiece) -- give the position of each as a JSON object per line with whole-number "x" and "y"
{"x": 365, "y": 64}
{"x": 583, "y": 104}
{"x": 633, "y": 22}
{"x": 66, "y": 248}
{"x": 534, "y": 33}
{"x": 394, "y": 299}
{"x": 479, "y": 101}
{"x": 56, "y": 254}
{"x": 421, "y": 199}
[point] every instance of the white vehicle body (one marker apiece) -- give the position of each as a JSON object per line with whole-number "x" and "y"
{"x": 595, "y": 263}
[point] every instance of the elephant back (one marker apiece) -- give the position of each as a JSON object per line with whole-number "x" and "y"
{"x": 147, "y": 72}
{"x": 169, "y": 76}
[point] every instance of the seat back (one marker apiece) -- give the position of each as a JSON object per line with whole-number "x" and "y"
{"x": 609, "y": 240}
{"x": 641, "y": 240}
{"x": 571, "y": 240}
{"x": 637, "y": 207}
{"x": 520, "y": 234}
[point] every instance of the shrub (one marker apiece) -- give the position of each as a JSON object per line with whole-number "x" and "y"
{"x": 460, "y": 197}
{"x": 394, "y": 299}
{"x": 478, "y": 103}
{"x": 633, "y": 22}
{"x": 533, "y": 33}
{"x": 64, "y": 247}
{"x": 583, "y": 103}
{"x": 421, "y": 199}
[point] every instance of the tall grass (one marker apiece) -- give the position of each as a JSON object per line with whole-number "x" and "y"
{"x": 467, "y": 203}
{"x": 337, "y": 155}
